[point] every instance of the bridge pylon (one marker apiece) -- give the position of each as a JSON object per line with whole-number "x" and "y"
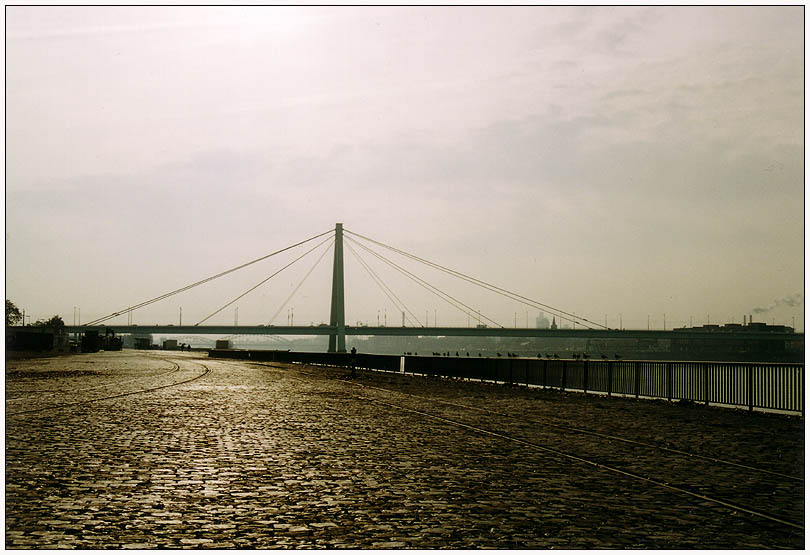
{"x": 337, "y": 317}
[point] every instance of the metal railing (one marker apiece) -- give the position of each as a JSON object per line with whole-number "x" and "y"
{"x": 772, "y": 386}
{"x": 753, "y": 385}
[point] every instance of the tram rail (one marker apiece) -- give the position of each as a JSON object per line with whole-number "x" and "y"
{"x": 694, "y": 487}
{"x": 611, "y": 437}
{"x": 50, "y": 393}
{"x": 56, "y": 406}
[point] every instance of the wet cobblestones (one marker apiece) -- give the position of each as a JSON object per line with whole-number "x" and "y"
{"x": 251, "y": 456}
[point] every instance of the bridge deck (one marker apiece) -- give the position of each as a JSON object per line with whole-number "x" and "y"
{"x": 440, "y": 331}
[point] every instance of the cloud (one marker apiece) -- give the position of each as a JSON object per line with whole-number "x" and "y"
{"x": 662, "y": 146}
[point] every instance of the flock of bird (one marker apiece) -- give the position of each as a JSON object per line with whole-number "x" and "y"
{"x": 575, "y": 356}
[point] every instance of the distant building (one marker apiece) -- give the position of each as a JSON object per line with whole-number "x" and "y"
{"x": 731, "y": 343}
{"x": 739, "y": 328}
{"x": 36, "y": 338}
{"x": 541, "y": 322}
{"x": 142, "y": 342}
{"x": 553, "y": 323}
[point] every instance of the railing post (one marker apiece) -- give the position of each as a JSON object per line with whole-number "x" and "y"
{"x": 750, "y": 387}
{"x": 585, "y": 376}
{"x": 669, "y": 381}
{"x": 637, "y": 376}
{"x": 706, "y": 382}
{"x": 610, "y": 378}
{"x": 563, "y": 375}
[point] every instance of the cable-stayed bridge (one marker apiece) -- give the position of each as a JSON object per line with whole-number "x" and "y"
{"x": 337, "y": 330}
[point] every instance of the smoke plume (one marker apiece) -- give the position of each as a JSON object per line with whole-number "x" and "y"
{"x": 791, "y": 301}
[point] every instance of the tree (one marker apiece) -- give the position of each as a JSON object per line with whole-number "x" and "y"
{"x": 13, "y": 314}
{"x": 54, "y": 322}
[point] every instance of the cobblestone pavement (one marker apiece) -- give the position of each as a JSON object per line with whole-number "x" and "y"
{"x": 260, "y": 455}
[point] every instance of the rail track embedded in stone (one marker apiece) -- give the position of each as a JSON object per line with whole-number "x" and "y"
{"x": 49, "y": 393}
{"x": 611, "y": 437}
{"x": 562, "y": 427}
{"x": 57, "y": 406}
{"x": 591, "y": 462}
{"x": 688, "y": 490}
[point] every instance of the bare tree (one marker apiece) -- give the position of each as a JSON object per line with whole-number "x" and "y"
{"x": 13, "y": 314}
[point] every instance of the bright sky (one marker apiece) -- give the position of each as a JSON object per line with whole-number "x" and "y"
{"x": 633, "y": 161}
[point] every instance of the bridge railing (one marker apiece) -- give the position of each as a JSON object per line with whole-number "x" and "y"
{"x": 772, "y": 386}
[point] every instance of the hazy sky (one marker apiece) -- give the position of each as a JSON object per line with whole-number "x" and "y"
{"x": 603, "y": 160}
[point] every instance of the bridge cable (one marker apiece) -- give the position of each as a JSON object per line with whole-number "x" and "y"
{"x": 504, "y": 292}
{"x": 206, "y": 280}
{"x": 385, "y": 288}
{"x": 262, "y": 282}
{"x": 425, "y": 285}
{"x": 432, "y": 288}
{"x": 484, "y": 285}
{"x": 301, "y": 282}
{"x": 452, "y": 301}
